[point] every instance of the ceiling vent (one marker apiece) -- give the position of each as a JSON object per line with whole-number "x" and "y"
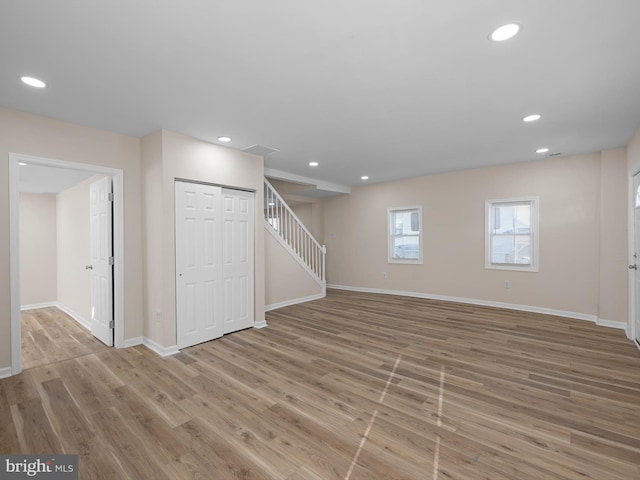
{"x": 557, "y": 154}
{"x": 260, "y": 150}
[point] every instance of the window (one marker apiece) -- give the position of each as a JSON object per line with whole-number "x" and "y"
{"x": 405, "y": 235}
{"x": 512, "y": 234}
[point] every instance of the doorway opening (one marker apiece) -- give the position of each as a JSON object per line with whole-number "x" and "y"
{"x": 18, "y": 161}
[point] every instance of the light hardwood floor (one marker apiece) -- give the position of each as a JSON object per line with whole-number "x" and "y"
{"x": 355, "y": 386}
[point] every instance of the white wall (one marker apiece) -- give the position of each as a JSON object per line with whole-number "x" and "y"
{"x": 38, "y": 249}
{"x": 167, "y": 156}
{"x": 581, "y": 265}
{"x": 43, "y": 137}
{"x": 285, "y": 279}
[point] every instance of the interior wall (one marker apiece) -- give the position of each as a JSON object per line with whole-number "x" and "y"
{"x": 613, "y": 297}
{"x": 633, "y": 154}
{"x": 152, "y": 227}
{"x": 43, "y": 137}
{"x": 38, "y": 247}
{"x": 170, "y": 155}
{"x": 74, "y": 248}
{"x": 285, "y": 279}
{"x": 571, "y": 196}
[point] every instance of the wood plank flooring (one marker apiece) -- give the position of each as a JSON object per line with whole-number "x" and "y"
{"x": 354, "y": 386}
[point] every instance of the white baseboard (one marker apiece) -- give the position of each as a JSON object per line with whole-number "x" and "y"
{"x": 5, "y": 372}
{"x": 35, "y": 306}
{"x": 612, "y": 324}
{"x": 260, "y": 324}
{"x": 294, "y": 301}
{"x": 132, "y": 342}
{"x": 159, "y": 349}
{"x": 486, "y": 303}
{"x": 76, "y": 316}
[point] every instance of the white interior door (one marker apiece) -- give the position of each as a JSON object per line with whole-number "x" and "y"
{"x": 101, "y": 260}
{"x": 636, "y": 260}
{"x": 198, "y": 263}
{"x": 237, "y": 245}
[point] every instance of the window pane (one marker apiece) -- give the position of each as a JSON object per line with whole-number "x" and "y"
{"x": 405, "y": 222}
{"x": 511, "y": 237}
{"x": 503, "y": 248}
{"x": 522, "y": 252}
{"x": 406, "y": 247}
{"x": 515, "y": 218}
{"x": 522, "y": 219}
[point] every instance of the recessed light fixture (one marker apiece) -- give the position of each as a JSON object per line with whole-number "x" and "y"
{"x": 313, "y": 164}
{"x": 364, "y": 177}
{"x": 33, "y": 82}
{"x": 532, "y": 118}
{"x": 224, "y": 139}
{"x": 505, "y": 32}
{"x": 542, "y": 150}
{"x": 22, "y": 164}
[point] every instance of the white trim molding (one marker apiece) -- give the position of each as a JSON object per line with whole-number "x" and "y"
{"x": 295, "y": 301}
{"x": 14, "y": 248}
{"x": 260, "y": 324}
{"x": 76, "y": 316}
{"x": 35, "y": 306}
{"x": 612, "y": 324}
{"x": 5, "y": 372}
{"x": 132, "y": 342}
{"x": 159, "y": 349}
{"x": 487, "y": 303}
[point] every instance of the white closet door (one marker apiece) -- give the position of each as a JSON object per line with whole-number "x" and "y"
{"x": 199, "y": 307}
{"x": 237, "y": 262}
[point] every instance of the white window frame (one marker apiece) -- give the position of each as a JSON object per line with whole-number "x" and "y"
{"x": 391, "y": 235}
{"x": 535, "y": 230}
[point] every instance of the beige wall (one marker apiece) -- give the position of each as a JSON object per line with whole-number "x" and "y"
{"x": 285, "y": 279}
{"x": 614, "y": 298}
{"x": 633, "y": 154}
{"x": 571, "y": 192}
{"x": 171, "y": 155}
{"x": 38, "y": 261}
{"x": 44, "y": 137}
{"x": 74, "y": 249}
{"x": 151, "y": 158}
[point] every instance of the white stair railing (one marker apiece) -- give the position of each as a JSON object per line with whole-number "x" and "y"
{"x": 281, "y": 219}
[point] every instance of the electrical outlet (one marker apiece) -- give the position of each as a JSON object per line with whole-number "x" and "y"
{"x": 384, "y": 275}
{"x": 507, "y": 284}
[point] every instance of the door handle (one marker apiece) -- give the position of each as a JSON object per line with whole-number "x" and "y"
{"x": 633, "y": 267}
{"x": 88, "y": 267}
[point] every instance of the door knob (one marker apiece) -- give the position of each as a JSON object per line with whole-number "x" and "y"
{"x": 633, "y": 267}
{"x": 90, "y": 267}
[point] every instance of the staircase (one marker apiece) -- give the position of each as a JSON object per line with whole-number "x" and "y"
{"x": 293, "y": 235}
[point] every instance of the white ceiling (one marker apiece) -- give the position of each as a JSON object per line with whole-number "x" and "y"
{"x": 364, "y": 87}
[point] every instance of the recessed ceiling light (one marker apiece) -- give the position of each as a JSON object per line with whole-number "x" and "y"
{"x": 271, "y": 204}
{"x": 22, "y": 164}
{"x": 532, "y": 118}
{"x": 224, "y": 139}
{"x": 33, "y": 82}
{"x": 505, "y": 32}
{"x": 542, "y": 150}
{"x": 364, "y": 177}
{"x": 313, "y": 164}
